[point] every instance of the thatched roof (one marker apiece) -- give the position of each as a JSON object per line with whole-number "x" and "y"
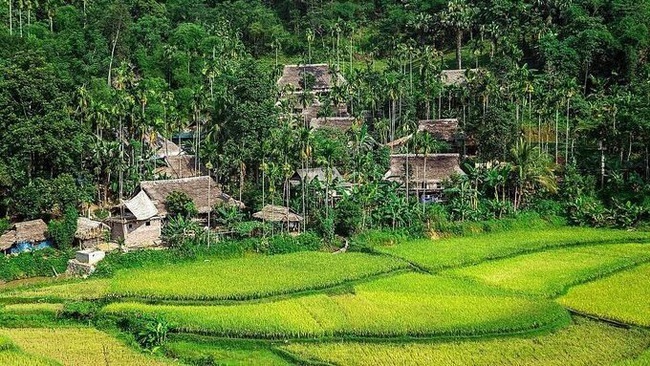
{"x": 399, "y": 142}
{"x": 438, "y": 167}
{"x": 441, "y": 129}
{"x": 141, "y": 206}
{"x": 454, "y": 77}
{"x": 339, "y": 123}
{"x": 180, "y": 166}
{"x": 277, "y": 214}
{"x": 26, "y": 231}
{"x": 323, "y": 79}
{"x": 166, "y": 147}
{"x": 7, "y": 239}
{"x": 89, "y": 229}
{"x": 308, "y": 175}
{"x": 196, "y": 188}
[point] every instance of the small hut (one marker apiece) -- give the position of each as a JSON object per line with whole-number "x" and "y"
{"x": 280, "y": 214}
{"x": 425, "y": 173}
{"x": 138, "y": 223}
{"x": 26, "y": 235}
{"x": 455, "y": 77}
{"x": 446, "y": 130}
{"x": 337, "y": 123}
{"x": 308, "y": 175}
{"x": 180, "y": 166}
{"x": 293, "y": 77}
{"x": 90, "y": 233}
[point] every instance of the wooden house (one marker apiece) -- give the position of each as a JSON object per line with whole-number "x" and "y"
{"x": 424, "y": 174}
{"x": 337, "y": 123}
{"x": 138, "y": 224}
{"x": 455, "y": 77}
{"x": 279, "y": 214}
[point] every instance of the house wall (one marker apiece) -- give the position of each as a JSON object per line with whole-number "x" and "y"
{"x": 138, "y": 233}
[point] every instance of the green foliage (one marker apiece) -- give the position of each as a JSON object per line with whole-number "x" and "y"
{"x": 181, "y": 233}
{"x": 34, "y": 263}
{"x": 180, "y": 204}
{"x": 62, "y": 231}
{"x": 84, "y": 311}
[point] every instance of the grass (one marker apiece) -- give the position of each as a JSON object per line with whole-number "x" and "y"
{"x": 77, "y": 346}
{"x": 583, "y": 343}
{"x": 550, "y": 273}
{"x": 374, "y": 310}
{"x": 642, "y": 360}
{"x": 435, "y": 255}
{"x": 622, "y": 297}
{"x": 249, "y": 277}
{"x": 224, "y": 352}
{"x": 18, "y": 358}
{"x": 71, "y": 290}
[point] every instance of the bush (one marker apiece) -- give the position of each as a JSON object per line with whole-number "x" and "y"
{"x": 149, "y": 331}
{"x": 369, "y": 239}
{"x": 179, "y": 203}
{"x": 284, "y": 243}
{"x": 62, "y": 231}
{"x": 81, "y": 310}
{"x": 31, "y": 264}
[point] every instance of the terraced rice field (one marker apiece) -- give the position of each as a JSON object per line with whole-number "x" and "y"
{"x": 251, "y": 277}
{"x": 485, "y": 300}
{"x": 76, "y": 346}
{"x": 623, "y": 297}
{"x": 371, "y": 310}
{"x": 457, "y": 252}
{"x": 550, "y": 273}
{"x": 584, "y": 343}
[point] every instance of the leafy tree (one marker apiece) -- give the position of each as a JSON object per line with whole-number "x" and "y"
{"x": 180, "y": 204}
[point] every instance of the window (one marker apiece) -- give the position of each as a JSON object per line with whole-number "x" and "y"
{"x": 130, "y": 226}
{"x": 148, "y": 223}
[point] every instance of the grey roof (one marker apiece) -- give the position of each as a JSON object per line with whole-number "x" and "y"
{"x": 454, "y": 77}
{"x": 339, "y": 123}
{"x": 308, "y": 175}
{"x": 87, "y": 228}
{"x": 438, "y": 167}
{"x": 165, "y": 147}
{"x": 180, "y": 166}
{"x": 141, "y": 206}
{"x": 323, "y": 81}
{"x": 277, "y": 214}
{"x": 196, "y": 188}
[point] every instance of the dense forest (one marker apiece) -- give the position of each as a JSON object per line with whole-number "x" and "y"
{"x": 555, "y": 111}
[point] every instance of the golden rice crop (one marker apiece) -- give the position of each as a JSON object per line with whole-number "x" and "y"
{"x": 623, "y": 297}
{"x": 77, "y": 346}
{"x": 550, "y": 273}
{"x": 584, "y": 343}
{"x": 250, "y": 277}
{"x": 368, "y": 312}
{"x": 455, "y": 252}
{"x": 16, "y": 357}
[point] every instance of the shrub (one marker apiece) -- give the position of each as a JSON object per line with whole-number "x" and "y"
{"x": 31, "y": 264}
{"x": 284, "y": 243}
{"x": 62, "y": 231}
{"x": 179, "y": 203}
{"x": 81, "y": 310}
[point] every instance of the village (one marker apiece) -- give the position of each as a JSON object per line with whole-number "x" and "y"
{"x": 137, "y": 222}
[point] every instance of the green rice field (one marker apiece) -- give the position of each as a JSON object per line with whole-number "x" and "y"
{"x": 623, "y": 297}
{"x": 537, "y": 297}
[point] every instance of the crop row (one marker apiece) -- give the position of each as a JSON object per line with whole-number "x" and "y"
{"x": 370, "y": 311}
{"x": 457, "y": 252}
{"x": 583, "y": 343}
{"x": 71, "y": 347}
{"x": 249, "y": 277}
{"x": 622, "y": 297}
{"x": 551, "y": 272}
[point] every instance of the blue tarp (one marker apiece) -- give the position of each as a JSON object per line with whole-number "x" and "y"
{"x": 26, "y": 246}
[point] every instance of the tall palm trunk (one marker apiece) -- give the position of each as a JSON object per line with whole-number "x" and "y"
{"x": 459, "y": 44}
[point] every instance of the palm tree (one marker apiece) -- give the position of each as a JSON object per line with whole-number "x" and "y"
{"x": 458, "y": 16}
{"x": 532, "y": 170}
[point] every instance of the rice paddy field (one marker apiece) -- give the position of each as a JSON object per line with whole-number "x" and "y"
{"x": 552, "y": 296}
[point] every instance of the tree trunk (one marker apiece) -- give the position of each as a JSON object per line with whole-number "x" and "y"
{"x": 11, "y": 19}
{"x": 110, "y": 64}
{"x": 459, "y": 44}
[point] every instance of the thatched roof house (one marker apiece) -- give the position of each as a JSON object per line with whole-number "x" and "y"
{"x": 24, "y": 232}
{"x": 165, "y": 147}
{"x": 141, "y": 207}
{"x": 339, "y": 123}
{"x": 441, "y": 129}
{"x": 273, "y": 213}
{"x": 324, "y": 79}
{"x": 424, "y": 171}
{"x": 196, "y": 188}
{"x": 454, "y": 77}
{"x": 89, "y": 232}
{"x": 308, "y": 175}
{"x": 180, "y": 166}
